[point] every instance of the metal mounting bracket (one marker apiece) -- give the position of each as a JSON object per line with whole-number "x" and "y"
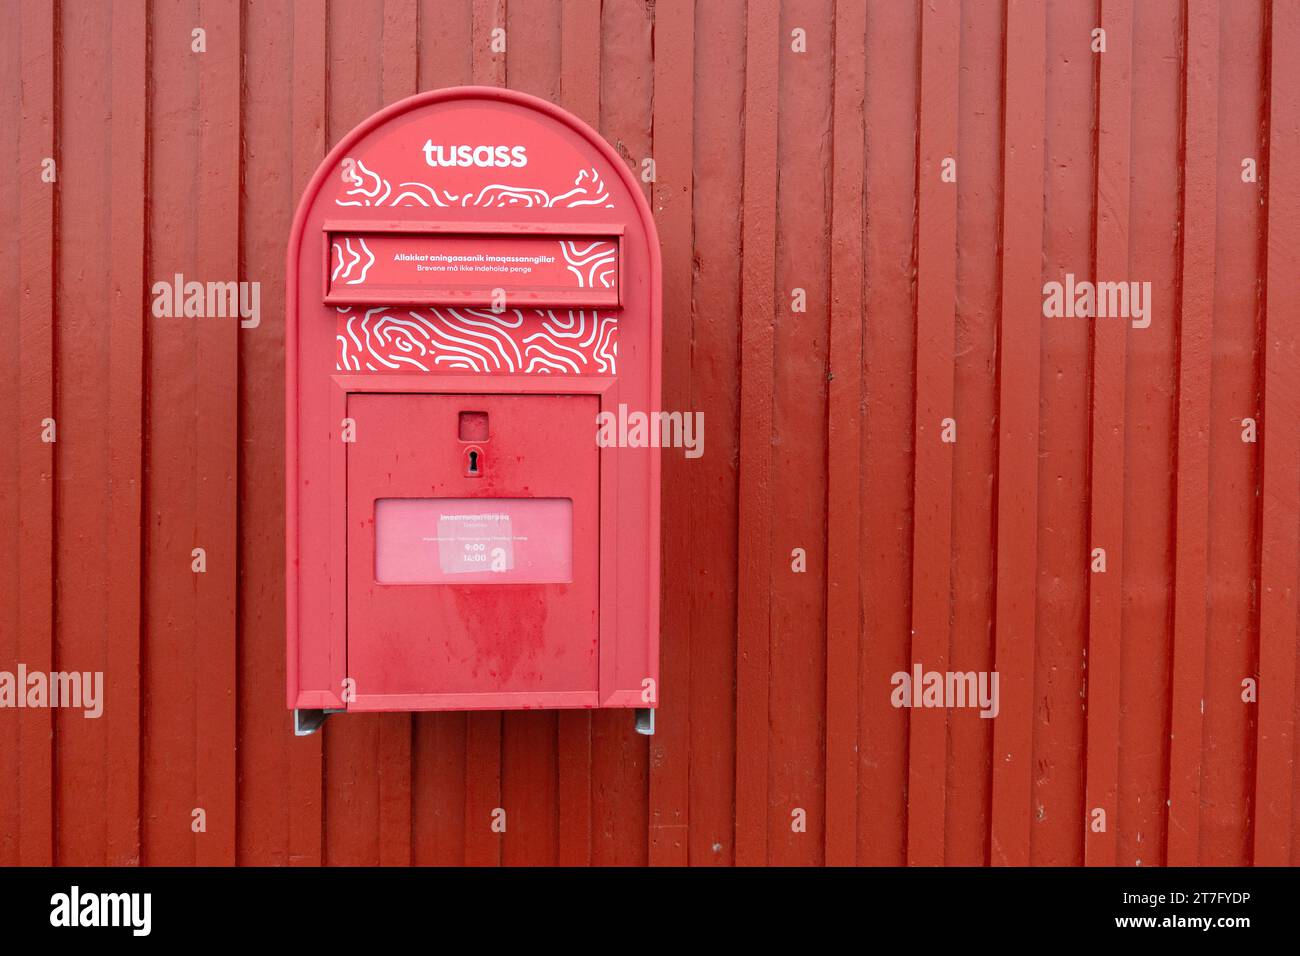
{"x": 645, "y": 721}
{"x": 307, "y": 722}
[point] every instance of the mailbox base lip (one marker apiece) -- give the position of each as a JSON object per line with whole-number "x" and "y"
{"x": 405, "y": 703}
{"x": 315, "y": 700}
{"x": 559, "y": 700}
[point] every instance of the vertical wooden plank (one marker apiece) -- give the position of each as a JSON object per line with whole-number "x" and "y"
{"x": 1280, "y": 532}
{"x": 1114, "y": 134}
{"x": 715, "y": 358}
{"x": 438, "y": 789}
{"x": 753, "y": 616}
{"x": 843, "y": 419}
{"x": 1057, "y": 719}
{"x": 446, "y": 47}
{"x": 129, "y": 82}
{"x": 310, "y": 28}
{"x": 271, "y": 805}
{"x": 1191, "y": 569}
{"x": 674, "y": 95}
{"x": 530, "y": 788}
{"x": 36, "y": 462}
{"x": 620, "y": 804}
{"x": 936, "y": 278}
{"x": 534, "y": 63}
{"x": 489, "y": 65}
{"x": 1228, "y": 772}
{"x": 400, "y": 53}
{"x": 1150, "y": 415}
{"x": 797, "y": 664}
{"x": 620, "y": 756}
{"x": 169, "y": 673}
{"x": 483, "y": 788}
{"x": 580, "y": 59}
{"x": 892, "y": 94}
{"x": 981, "y": 131}
{"x": 393, "y": 766}
{"x": 12, "y": 428}
{"x": 216, "y": 424}
{"x": 82, "y": 345}
{"x": 573, "y": 746}
{"x": 1018, "y": 395}
{"x": 580, "y": 95}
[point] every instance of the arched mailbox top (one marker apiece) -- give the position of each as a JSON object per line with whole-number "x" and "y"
{"x": 468, "y": 171}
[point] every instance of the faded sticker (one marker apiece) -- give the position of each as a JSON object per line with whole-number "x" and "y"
{"x": 475, "y": 543}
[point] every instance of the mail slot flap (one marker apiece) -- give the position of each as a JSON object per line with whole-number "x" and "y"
{"x": 448, "y": 264}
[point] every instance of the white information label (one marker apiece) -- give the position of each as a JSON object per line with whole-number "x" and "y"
{"x": 475, "y": 543}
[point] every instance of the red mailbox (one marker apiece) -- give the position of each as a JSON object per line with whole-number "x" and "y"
{"x": 473, "y": 277}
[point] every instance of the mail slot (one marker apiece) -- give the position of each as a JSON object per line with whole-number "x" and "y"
{"x": 473, "y": 279}
{"x": 409, "y": 265}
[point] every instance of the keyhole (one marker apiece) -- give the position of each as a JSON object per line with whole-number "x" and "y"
{"x": 473, "y": 462}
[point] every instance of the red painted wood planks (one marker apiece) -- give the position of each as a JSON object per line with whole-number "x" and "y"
{"x": 753, "y": 624}
{"x": 490, "y": 44}
{"x": 892, "y": 94}
{"x": 935, "y": 427}
{"x": 981, "y": 132}
{"x": 1228, "y": 780}
{"x": 578, "y": 791}
{"x": 674, "y": 93}
{"x": 273, "y": 806}
{"x": 82, "y": 341}
{"x": 1280, "y": 532}
{"x": 1196, "y": 328}
{"x": 216, "y": 433}
{"x": 1018, "y": 394}
{"x": 1107, "y": 453}
{"x": 717, "y": 196}
{"x": 35, "y": 400}
{"x": 844, "y": 620}
{"x": 797, "y": 663}
{"x": 126, "y": 442}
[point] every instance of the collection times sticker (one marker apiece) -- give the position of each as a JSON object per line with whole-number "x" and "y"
{"x": 475, "y": 543}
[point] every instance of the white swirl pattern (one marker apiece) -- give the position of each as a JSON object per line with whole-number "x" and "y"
{"x": 594, "y": 263}
{"x": 346, "y": 259}
{"x": 370, "y": 189}
{"x": 573, "y": 342}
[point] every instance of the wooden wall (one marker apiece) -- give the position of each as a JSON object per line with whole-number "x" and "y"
{"x": 777, "y": 171}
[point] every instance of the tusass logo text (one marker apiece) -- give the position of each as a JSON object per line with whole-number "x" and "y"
{"x": 483, "y": 156}
{"x": 75, "y": 908}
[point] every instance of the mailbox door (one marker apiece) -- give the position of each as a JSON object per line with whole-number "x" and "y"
{"x": 473, "y": 551}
